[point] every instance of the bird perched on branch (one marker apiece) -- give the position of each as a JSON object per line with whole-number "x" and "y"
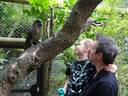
{"x": 34, "y": 35}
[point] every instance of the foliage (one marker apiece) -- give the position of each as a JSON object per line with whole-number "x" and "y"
{"x": 13, "y": 22}
{"x": 116, "y": 27}
{"x": 68, "y": 54}
{"x": 41, "y": 9}
{"x": 2, "y": 55}
{"x": 5, "y": 17}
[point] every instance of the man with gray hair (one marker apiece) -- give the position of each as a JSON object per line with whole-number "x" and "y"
{"x": 80, "y": 73}
{"x": 103, "y": 53}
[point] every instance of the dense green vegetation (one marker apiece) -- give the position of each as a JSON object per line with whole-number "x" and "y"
{"x": 111, "y": 13}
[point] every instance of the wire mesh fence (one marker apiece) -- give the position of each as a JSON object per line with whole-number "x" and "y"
{"x": 15, "y": 24}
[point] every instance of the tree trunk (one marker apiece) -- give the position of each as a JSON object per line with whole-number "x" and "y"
{"x": 34, "y": 56}
{"x": 46, "y": 67}
{"x": 45, "y": 70}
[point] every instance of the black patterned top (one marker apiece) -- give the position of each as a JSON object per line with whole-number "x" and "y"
{"x": 81, "y": 75}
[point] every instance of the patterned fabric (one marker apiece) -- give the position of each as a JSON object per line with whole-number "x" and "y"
{"x": 81, "y": 74}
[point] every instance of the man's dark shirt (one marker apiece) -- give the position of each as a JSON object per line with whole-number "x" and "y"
{"x": 104, "y": 84}
{"x": 81, "y": 74}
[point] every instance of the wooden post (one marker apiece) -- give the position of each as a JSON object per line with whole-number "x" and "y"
{"x": 7, "y": 42}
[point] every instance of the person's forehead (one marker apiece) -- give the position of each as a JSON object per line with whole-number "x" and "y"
{"x": 86, "y": 41}
{"x": 82, "y": 41}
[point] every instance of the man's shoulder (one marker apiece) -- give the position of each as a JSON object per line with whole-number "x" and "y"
{"x": 109, "y": 77}
{"x": 106, "y": 83}
{"x": 109, "y": 81}
{"x": 106, "y": 77}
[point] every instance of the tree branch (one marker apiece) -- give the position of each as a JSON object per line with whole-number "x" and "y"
{"x": 17, "y": 1}
{"x": 34, "y": 56}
